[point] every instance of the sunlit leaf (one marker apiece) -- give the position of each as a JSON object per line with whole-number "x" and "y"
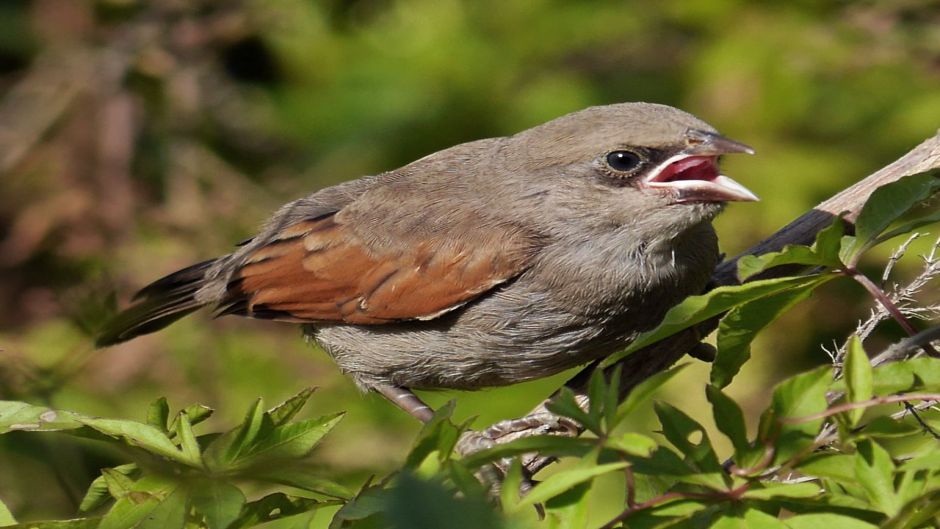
{"x": 795, "y": 399}
{"x": 740, "y": 326}
{"x": 784, "y": 490}
{"x": 858, "y": 377}
{"x": 823, "y": 252}
{"x": 565, "y": 479}
{"x": 644, "y": 390}
{"x": 696, "y": 309}
{"x": 827, "y": 521}
{"x": 6, "y": 517}
{"x": 874, "y": 471}
{"x": 631, "y": 443}
{"x": 729, "y": 419}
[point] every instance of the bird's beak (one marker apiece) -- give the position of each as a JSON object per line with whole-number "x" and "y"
{"x": 692, "y": 175}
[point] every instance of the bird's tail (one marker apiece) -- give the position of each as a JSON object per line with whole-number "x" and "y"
{"x": 157, "y": 305}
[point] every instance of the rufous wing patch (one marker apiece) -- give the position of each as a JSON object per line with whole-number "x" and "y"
{"x": 319, "y": 271}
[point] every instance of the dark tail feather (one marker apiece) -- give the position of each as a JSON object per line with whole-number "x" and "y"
{"x": 157, "y": 305}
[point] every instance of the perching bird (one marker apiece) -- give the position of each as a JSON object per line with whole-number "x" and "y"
{"x": 488, "y": 263}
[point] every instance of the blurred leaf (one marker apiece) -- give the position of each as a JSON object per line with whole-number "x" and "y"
{"x": 6, "y": 517}
{"x": 696, "y": 309}
{"x": 909, "y": 227}
{"x": 631, "y": 443}
{"x": 827, "y": 521}
{"x": 416, "y": 504}
{"x": 740, "y": 326}
{"x": 75, "y": 523}
{"x": 858, "y": 377}
{"x": 644, "y": 390}
{"x": 823, "y": 252}
{"x": 158, "y": 414}
{"x": 22, "y": 416}
{"x": 302, "y": 478}
{"x": 874, "y": 471}
{"x": 751, "y": 519}
{"x": 511, "y": 486}
{"x": 369, "y": 502}
{"x": 921, "y": 511}
{"x": 168, "y": 514}
{"x": 565, "y": 403}
{"x": 885, "y": 205}
{"x": 770, "y": 491}
{"x": 437, "y": 435}
{"x": 148, "y": 493}
{"x": 272, "y": 507}
{"x": 98, "y": 492}
{"x": 117, "y": 483}
{"x": 838, "y": 467}
{"x": 569, "y": 510}
{"x": 544, "y": 444}
{"x": 220, "y": 502}
{"x": 730, "y": 420}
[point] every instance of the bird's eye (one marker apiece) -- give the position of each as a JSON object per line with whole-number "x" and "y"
{"x": 623, "y": 161}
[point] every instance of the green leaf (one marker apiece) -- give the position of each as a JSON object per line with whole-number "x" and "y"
{"x": 544, "y": 444}
{"x": 414, "y": 503}
{"x": 98, "y": 492}
{"x": 730, "y": 420}
{"x": 837, "y": 467}
{"x": 679, "y": 429}
{"x": 146, "y": 495}
{"x": 438, "y": 435}
{"x": 220, "y": 502}
{"x": 22, "y": 416}
{"x": 75, "y": 523}
{"x": 666, "y": 463}
{"x": 874, "y": 471}
{"x": 798, "y": 397}
{"x": 168, "y": 514}
{"x": 158, "y": 414}
{"x": 569, "y": 510}
{"x": 289, "y": 441}
{"x": 117, "y": 483}
{"x": 510, "y": 488}
{"x": 196, "y": 413}
{"x": 140, "y": 435}
{"x": 630, "y": 443}
{"x": 302, "y": 478}
{"x": 644, "y": 390}
{"x": 187, "y": 439}
{"x": 885, "y": 205}
{"x": 565, "y": 403}
{"x": 273, "y": 507}
{"x": 908, "y": 227}
{"x": 824, "y": 252}
{"x": 285, "y": 411}
{"x": 827, "y": 521}
{"x": 740, "y": 326}
{"x": 6, "y": 517}
{"x": 921, "y": 511}
{"x": 858, "y": 377}
{"x": 751, "y": 519}
{"x": 696, "y": 309}
{"x": 771, "y": 491}
{"x": 565, "y": 479}
{"x": 226, "y": 448}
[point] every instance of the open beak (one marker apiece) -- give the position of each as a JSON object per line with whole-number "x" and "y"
{"x": 692, "y": 175}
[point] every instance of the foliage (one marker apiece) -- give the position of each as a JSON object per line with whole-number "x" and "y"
{"x": 826, "y": 450}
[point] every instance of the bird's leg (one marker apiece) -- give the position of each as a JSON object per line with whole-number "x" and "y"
{"x": 405, "y": 399}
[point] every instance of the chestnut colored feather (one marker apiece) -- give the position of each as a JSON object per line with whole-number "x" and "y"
{"x": 319, "y": 271}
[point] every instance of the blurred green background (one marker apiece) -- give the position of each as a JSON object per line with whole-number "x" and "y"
{"x": 137, "y": 137}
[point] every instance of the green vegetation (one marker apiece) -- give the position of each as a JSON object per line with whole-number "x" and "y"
{"x": 137, "y": 137}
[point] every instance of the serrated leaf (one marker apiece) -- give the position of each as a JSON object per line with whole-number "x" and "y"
{"x": 874, "y": 471}
{"x": 289, "y": 441}
{"x": 730, "y": 420}
{"x": 196, "y": 413}
{"x": 565, "y": 479}
{"x": 219, "y": 502}
{"x": 885, "y": 205}
{"x": 679, "y": 428}
{"x": 158, "y": 414}
{"x": 828, "y": 521}
{"x": 6, "y": 517}
{"x": 285, "y": 411}
{"x": 98, "y": 492}
{"x": 740, "y": 326}
{"x": 858, "y": 377}
{"x": 696, "y": 309}
{"x": 15, "y": 416}
{"x": 644, "y": 390}
{"x": 226, "y": 448}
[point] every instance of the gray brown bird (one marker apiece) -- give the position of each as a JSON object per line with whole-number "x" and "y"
{"x": 488, "y": 263}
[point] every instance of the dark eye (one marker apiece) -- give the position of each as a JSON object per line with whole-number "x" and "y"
{"x": 623, "y": 161}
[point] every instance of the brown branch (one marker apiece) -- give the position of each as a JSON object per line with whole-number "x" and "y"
{"x": 660, "y": 356}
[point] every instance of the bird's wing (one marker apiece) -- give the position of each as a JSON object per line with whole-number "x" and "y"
{"x": 321, "y": 270}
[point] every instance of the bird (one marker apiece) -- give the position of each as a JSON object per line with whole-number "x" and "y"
{"x": 484, "y": 264}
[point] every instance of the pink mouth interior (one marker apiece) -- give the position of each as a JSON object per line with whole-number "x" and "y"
{"x": 691, "y": 168}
